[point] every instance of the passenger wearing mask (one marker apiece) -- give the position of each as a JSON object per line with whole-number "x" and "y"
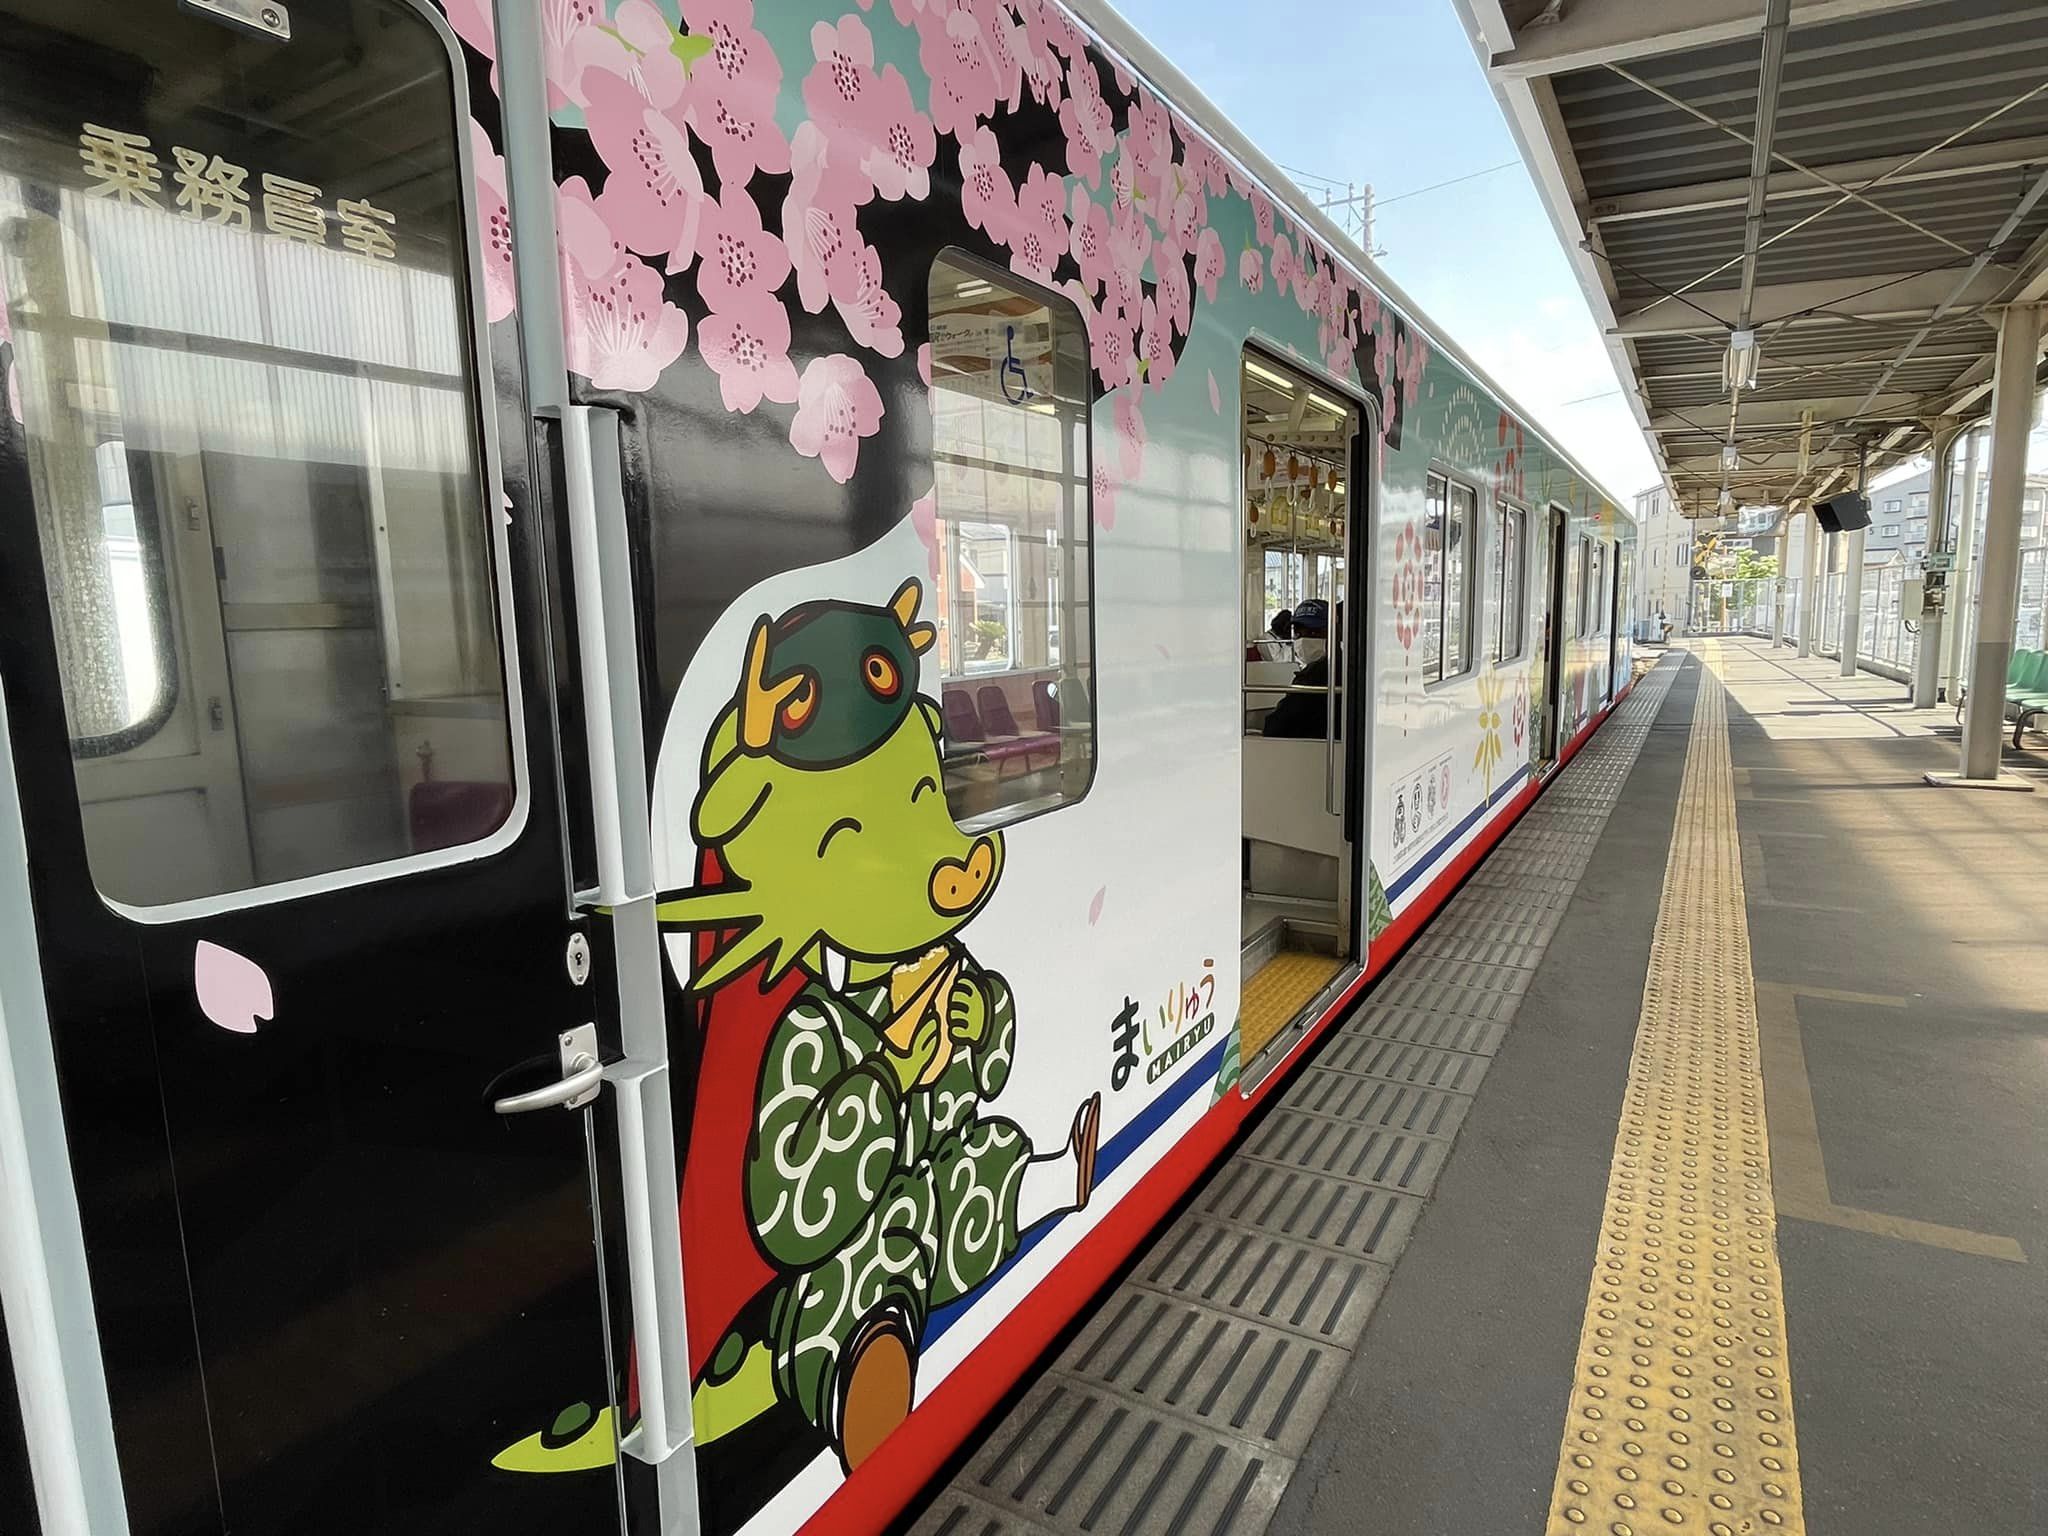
{"x": 1306, "y": 714}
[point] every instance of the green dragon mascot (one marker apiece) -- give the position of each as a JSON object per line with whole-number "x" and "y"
{"x": 875, "y": 1185}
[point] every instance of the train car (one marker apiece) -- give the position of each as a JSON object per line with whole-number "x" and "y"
{"x": 697, "y": 694}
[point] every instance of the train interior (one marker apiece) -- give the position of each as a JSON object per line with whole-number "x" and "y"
{"x": 1298, "y": 936}
{"x": 1011, "y": 597}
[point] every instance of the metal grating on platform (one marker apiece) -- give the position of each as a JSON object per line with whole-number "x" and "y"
{"x": 1182, "y": 1404}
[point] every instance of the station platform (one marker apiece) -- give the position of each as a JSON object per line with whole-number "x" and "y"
{"x": 1685, "y": 1175}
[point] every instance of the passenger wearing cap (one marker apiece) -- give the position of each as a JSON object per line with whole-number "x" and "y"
{"x": 1306, "y": 714}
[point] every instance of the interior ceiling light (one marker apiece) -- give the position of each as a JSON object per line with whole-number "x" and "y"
{"x": 1321, "y": 404}
{"x": 1738, "y": 367}
{"x": 1266, "y": 375}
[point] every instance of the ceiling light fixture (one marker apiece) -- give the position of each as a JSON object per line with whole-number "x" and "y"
{"x": 1321, "y": 404}
{"x": 1266, "y": 375}
{"x": 1738, "y": 367}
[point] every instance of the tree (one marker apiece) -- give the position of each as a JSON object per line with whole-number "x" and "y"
{"x": 1751, "y": 566}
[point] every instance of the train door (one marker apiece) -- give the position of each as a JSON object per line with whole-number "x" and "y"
{"x": 1619, "y": 581}
{"x": 1304, "y": 475}
{"x": 1554, "y": 638}
{"x": 285, "y": 835}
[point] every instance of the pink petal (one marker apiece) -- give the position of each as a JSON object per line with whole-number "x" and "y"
{"x": 233, "y": 990}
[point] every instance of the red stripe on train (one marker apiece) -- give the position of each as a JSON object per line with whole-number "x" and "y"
{"x": 888, "y": 1480}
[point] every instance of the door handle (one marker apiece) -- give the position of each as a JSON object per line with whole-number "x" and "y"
{"x": 582, "y": 1076}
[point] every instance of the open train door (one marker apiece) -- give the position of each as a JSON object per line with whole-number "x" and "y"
{"x": 283, "y": 889}
{"x": 1307, "y": 883}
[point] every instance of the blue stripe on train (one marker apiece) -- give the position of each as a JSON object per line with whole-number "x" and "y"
{"x": 1427, "y": 862}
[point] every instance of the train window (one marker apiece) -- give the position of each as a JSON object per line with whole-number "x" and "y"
{"x": 244, "y": 350}
{"x": 1450, "y": 522}
{"x": 1510, "y": 581}
{"x": 1583, "y": 602}
{"x": 1013, "y": 598}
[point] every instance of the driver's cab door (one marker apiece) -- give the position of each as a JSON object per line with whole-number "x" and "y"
{"x": 303, "y": 1028}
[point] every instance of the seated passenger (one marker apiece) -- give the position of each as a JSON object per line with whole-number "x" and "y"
{"x": 1272, "y": 646}
{"x": 1306, "y": 714}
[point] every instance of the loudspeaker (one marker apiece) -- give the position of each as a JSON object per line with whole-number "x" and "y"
{"x": 1842, "y": 514}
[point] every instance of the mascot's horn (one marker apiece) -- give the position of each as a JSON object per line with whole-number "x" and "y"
{"x": 904, "y": 606}
{"x": 760, "y": 699}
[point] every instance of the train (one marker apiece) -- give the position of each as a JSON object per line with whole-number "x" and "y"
{"x": 698, "y": 693}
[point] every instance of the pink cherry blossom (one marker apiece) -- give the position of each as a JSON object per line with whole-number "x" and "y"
{"x": 1210, "y": 262}
{"x": 924, "y": 364}
{"x": 1088, "y": 241}
{"x": 1130, "y": 245}
{"x": 1109, "y": 339}
{"x": 1215, "y": 396}
{"x": 868, "y": 119}
{"x": 748, "y": 348}
{"x": 924, "y": 520}
{"x": 1151, "y": 142}
{"x": 1003, "y": 40}
{"x": 1262, "y": 216}
{"x": 1205, "y": 162}
{"x": 1130, "y": 434}
{"x": 1123, "y": 179}
{"x": 836, "y": 406}
{"x": 1060, "y": 32}
{"x": 730, "y": 100}
{"x": 475, "y": 23}
{"x": 738, "y": 253}
{"x": 1155, "y": 345}
{"x": 1102, "y": 495}
{"x": 1189, "y": 207}
{"x": 955, "y": 56}
{"x": 986, "y": 196}
{"x": 1176, "y": 297}
{"x": 621, "y": 332}
{"x": 872, "y": 318}
{"x": 563, "y": 25}
{"x": 1044, "y": 75}
{"x": 1251, "y": 269}
{"x": 1038, "y": 238}
{"x": 818, "y": 221}
{"x": 1124, "y": 80}
{"x": 1086, "y": 119}
{"x": 638, "y": 46}
{"x": 494, "y": 220}
{"x": 654, "y": 195}
{"x": 1283, "y": 262}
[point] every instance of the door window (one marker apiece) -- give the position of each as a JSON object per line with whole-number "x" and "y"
{"x": 236, "y": 276}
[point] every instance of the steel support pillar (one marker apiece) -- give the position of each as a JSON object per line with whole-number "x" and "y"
{"x": 1809, "y": 586}
{"x": 1852, "y": 599}
{"x": 2012, "y": 413}
{"x": 1927, "y": 659}
{"x": 1962, "y": 585}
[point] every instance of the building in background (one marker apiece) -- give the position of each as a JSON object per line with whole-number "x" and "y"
{"x": 1664, "y": 558}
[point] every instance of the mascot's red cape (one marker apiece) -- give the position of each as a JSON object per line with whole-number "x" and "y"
{"x": 723, "y": 1269}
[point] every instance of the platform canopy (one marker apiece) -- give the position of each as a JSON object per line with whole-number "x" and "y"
{"x": 1829, "y": 200}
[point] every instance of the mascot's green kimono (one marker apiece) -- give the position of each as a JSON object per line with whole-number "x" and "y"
{"x": 873, "y": 1183}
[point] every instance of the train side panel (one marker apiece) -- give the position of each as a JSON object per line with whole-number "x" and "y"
{"x": 751, "y": 242}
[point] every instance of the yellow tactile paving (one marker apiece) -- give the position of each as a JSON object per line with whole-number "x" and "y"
{"x": 1681, "y": 1407}
{"x": 1275, "y": 995}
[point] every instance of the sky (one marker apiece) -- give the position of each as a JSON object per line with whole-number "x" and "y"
{"x": 1388, "y": 91}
